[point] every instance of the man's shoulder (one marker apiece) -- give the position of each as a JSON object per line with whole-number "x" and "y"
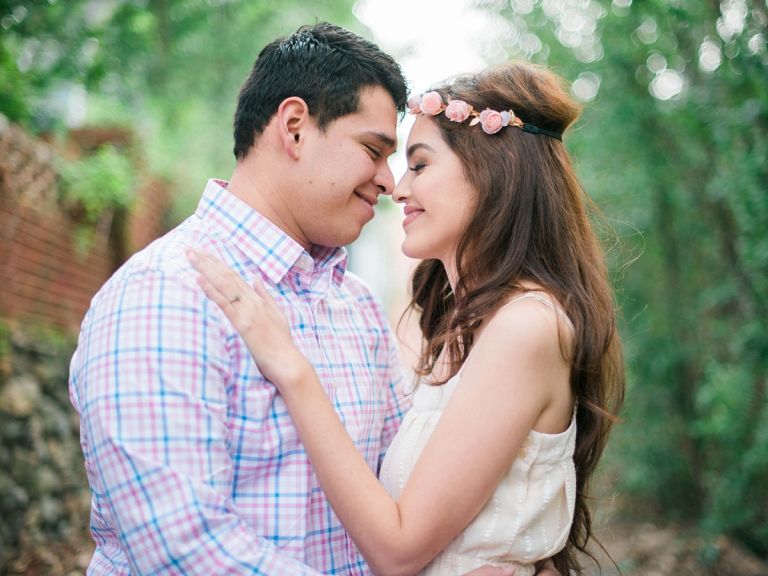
{"x": 164, "y": 262}
{"x": 161, "y": 257}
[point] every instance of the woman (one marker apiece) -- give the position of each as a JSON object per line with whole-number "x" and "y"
{"x": 521, "y": 366}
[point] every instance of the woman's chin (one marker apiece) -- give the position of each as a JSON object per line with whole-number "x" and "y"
{"x": 412, "y": 251}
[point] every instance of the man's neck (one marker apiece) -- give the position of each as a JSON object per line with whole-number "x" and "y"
{"x": 266, "y": 197}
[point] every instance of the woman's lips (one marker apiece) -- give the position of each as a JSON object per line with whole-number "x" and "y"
{"x": 411, "y": 213}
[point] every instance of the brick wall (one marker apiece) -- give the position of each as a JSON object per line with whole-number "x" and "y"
{"x": 44, "y": 278}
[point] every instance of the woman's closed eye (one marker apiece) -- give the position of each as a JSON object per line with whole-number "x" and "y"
{"x": 418, "y": 167}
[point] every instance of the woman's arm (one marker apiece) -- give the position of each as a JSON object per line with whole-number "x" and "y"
{"x": 515, "y": 370}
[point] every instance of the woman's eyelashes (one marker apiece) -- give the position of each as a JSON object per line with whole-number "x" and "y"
{"x": 417, "y": 167}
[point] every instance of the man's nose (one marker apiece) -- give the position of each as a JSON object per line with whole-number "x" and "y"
{"x": 384, "y": 180}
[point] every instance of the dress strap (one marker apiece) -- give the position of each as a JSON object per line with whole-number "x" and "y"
{"x": 544, "y": 300}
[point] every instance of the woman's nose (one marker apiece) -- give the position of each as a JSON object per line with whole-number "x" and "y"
{"x": 401, "y": 191}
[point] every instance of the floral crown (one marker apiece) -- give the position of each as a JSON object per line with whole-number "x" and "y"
{"x": 491, "y": 121}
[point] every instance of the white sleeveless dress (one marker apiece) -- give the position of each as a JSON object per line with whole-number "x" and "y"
{"x": 529, "y": 516}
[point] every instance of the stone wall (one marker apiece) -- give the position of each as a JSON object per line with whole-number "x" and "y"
{"x": 44, "y": 496}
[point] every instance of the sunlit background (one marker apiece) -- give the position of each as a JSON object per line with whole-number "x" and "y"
{"x": 114, "y": 113}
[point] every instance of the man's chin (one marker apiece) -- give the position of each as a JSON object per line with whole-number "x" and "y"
{"x": 339, "y": 240}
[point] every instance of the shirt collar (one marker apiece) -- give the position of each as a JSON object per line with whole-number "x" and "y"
{"x": 273, "y": 251}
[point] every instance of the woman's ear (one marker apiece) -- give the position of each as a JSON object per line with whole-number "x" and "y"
{"x": 292, "y": 123}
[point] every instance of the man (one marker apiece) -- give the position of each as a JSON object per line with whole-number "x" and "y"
{"x": 194, "y": 464}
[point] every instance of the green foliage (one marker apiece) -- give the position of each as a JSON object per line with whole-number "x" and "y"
{"x": 169, "y": 69}
{"x": 675, "y": 144}
{"x": 97, "y": 183}
{"x": 95, "y": 186}
{"x": 5, "y": 341}
{"x": 13, "y": 90}
{"x": 46, "y": 47}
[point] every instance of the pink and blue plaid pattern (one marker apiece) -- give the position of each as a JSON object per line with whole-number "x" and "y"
{"x": 194, "y": 464}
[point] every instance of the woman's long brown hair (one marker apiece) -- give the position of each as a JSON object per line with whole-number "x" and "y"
{"x": 531, "y": 224}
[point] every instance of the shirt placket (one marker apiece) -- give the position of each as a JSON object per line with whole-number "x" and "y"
{"x": 312, "y": 299}
{"x": 330, "y": 345}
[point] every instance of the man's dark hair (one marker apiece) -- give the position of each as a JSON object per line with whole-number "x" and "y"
{"x": 326, "y": 66}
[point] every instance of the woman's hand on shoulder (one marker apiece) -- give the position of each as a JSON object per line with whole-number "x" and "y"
{"x": 255, "y": 315}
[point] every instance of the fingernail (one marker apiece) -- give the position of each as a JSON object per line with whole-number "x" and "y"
{"x": 191, "y": 255}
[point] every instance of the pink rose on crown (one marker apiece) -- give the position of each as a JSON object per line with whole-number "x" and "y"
{"x": 491, "y": 121}
{"x": 413, "y": 104}
{"x": 431, "y": 103}
{"x": 457, "y": 110}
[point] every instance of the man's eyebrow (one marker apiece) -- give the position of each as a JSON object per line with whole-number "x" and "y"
{"x": 413, "y": 147}
{"x": 383, "y": 138}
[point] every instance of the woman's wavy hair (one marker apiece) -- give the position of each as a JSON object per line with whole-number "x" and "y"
{"x": 531, "y": 223}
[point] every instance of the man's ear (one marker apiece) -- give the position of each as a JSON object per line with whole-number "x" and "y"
{"x": 292, "y": 123}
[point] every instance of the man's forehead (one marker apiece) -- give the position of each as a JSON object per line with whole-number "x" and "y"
{"x": 377, "y": 110}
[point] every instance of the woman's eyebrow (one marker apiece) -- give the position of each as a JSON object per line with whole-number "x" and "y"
{"x": 413, "y": 147}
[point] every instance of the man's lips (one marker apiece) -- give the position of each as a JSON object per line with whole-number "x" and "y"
{"x": 372, "y": 200}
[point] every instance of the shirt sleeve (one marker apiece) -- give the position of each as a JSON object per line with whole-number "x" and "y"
{"x": 150, "y": 380}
